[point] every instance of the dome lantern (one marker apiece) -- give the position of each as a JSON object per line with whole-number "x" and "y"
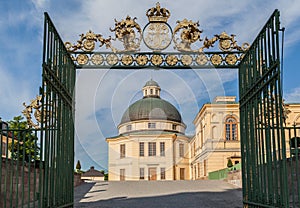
{"x": 151, "y": 89}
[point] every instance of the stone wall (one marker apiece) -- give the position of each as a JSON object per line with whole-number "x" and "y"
{"x": 235, "y": 177}
{"x": 293, "y": 171}
{"x": 77, "y": 179}
{"x": 19, "y": 184}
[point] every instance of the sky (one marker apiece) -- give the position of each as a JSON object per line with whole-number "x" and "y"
{"x": 102, "y": 96}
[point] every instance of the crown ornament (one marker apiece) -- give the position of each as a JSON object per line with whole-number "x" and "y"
{"x": 158, "y": 14}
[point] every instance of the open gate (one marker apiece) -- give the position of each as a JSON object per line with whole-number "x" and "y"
{"x": 263, "y": 143}
{"x": 57, "y": 138}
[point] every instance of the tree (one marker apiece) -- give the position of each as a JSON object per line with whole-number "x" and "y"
{"x": 229, "y": 163}
{"x": 78, "y": 166}
{"x": 24, "y": 142}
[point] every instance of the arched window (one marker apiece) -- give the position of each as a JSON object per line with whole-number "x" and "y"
{"x": 231, "y": 129}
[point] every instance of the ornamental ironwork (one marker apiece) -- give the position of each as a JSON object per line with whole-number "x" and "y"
{"x": 162, "y": 60}
{"x": 157, "y": 35}
{"x": 35, "y": 108}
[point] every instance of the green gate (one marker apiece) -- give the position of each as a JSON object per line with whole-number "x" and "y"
{"x": 37, "y": 164}
{"x": 263, "y": 143}
{"x": 57, "y": 138}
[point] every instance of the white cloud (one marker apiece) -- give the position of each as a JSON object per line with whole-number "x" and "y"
{"x": 13, "y": 93}
{"x": 292, "y": 96}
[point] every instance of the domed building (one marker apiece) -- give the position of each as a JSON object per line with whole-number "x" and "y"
{"x": 151, "y": 144}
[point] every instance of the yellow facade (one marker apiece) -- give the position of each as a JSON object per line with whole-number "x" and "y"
{"x": 216, "y": 140}
{"x": 161, "y": 166}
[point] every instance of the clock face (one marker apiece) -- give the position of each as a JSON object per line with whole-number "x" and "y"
{"x": 157, "y": 35}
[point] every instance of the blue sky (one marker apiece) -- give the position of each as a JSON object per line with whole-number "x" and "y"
{"x": 103, "y": 95}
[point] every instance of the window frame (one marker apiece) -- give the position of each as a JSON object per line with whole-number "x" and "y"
{"x": 129, "y": 127}
{"x": 174, "y": 127}
{"x": 142, "y": 149}
{"x": 122, "y": 150}
{"x": 151, "y": 149}
{"x": 151, "y": 125}
{"x": 162, "y": 148}
{"x": 231, "y": 129}
{"x": 181, "y": 150}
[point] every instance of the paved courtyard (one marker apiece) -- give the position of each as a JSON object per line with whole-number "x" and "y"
{"x": 158, "y": 194}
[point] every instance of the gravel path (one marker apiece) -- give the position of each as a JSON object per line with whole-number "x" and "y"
{"x": 158, "y": 194}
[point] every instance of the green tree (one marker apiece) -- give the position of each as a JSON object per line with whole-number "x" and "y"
{"x": 24, "y": 144}
{"x": 78, "y": 166}
{"x": 229, "y": 163}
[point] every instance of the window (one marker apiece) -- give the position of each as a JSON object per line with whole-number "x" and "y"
{"x": 162, "y": 173}
{"x": 142, "y": 173}
{"x": 122, "y": 150}
{"x": 162, "y": 149}
{"x": 151, "y": 91}
{"x": 151, "y": 125}
{"x": 174, "y": 126}
{"x": 194, "y": 148}
{"x": 230, "y": 129}
{"x": 142, "y": 151}
{"x": 122, "y": 174}
{"x": 152, "y": 149}
{"x": 181, "y": 150}
{"x": 128, "y": 127}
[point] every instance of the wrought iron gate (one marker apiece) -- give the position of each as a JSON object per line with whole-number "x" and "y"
{"x": 38, "y": 158}
{"x": 263, "y": 143}
{"x": 57, "y": 122}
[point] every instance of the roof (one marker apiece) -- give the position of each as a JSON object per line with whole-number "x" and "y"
{"x": 151, "y": 83}
{"x": 151, "y": 108}
{"x": 92, "y": 173}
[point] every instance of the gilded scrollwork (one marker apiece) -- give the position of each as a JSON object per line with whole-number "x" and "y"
{"x": 87, "y": 42}
{"x": 129, "y": 33}
{"x": 36, "y": 106}
{"x": 157, "y": 35}
{"x": 189, "y": 33}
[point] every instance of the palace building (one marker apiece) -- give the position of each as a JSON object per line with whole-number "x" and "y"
{"x": 152, "y": 144}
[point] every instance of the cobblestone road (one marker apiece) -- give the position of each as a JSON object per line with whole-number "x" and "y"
{"x": 158, "y": 194}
